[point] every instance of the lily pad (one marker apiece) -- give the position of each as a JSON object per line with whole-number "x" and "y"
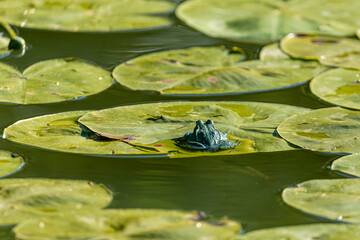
{"x": 28, "y": 198}
{"x": 348, "y": 164}
{"x": 272, "y": 52}
{"x": 9, "y": 163}
{"x": 338, "y": 86}
{"x": 153, "y": 128}
{"x": 52, "y": 81}
{"x": 270, "y": 20}
{"x": 210, "y": 70}
{"x": 62, "y": 132}
{"x": 84, "y": 15}
{"x": 330, "y": 51}
{"x": 4, "y": 43}
{"x": 328, "y": 130}
{"x": 127, "y": 224}
{"x": 336, "y": 199}
{"x": 302, "y": 232}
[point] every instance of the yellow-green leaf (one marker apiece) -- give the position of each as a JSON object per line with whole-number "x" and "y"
{"x": 30, "y": 198}
{"x": 327, "y": 130}
{"x": 330, "y": 51}
{"x": 9, "y": 163}
{"x": 52, "y": 81}
{"x": 336, "y": 199}
{"x": 338, "y": 86}
{"x": 84, "y": 15}
{"x": 127, "y": 224}
{"x": 211, "y": 70}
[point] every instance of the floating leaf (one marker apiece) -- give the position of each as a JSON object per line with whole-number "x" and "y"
{"x": 330, "y": 51}
{"x": 336, "y": 199}
{"x": 348, "y": 164}
{"x": 28, "y": 198}
{"x": 83, "y": 15}
{"x": 328, "y": 130}
{"x": 62, "y": 132}
{"x": 210, "y": 70}
{"x": 152, "y": 128}
{"x": 272, "y": 52}
{"x": 9, "y": 163}
{"x": 127, "y": 224}
{"x": 302, "y": 232}
{"x": 4, "y": 43}
{"x": 269, "y": 20}
{"x": 52, "y": 81}
{"x": 338, "y": 86}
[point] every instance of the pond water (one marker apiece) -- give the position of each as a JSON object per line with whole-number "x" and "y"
{"x": 246, "y": 188}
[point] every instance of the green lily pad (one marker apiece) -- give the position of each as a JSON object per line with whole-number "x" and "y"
{"x": 270, "y": 20}
{"x": 152, "y": 128}
{"x": 4, "y": 43}
{"x": 9, "y": 163}
{"x": 84, "y": 15}
{"x": 127, "y": 224}
{"x": 328, "y": 130}
{"x": 272, "y": 52}
{"x": 28, "y": 198}
{"x": 330, "y": 51}
{"x": 62, "y": 132}
{"x": 302, "y": 232}
{"x": 336, "y": 199}
{"x": 338, "y": 86}
{"x": 210, "y": 70}
{"x": 52, "y": 81}
{"x": 348, "y": 164}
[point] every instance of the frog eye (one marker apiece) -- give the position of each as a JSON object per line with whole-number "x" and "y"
{"x": 199, "y": 122}
{"x": 209, "y": 122}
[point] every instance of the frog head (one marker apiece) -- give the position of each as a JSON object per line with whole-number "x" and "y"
{"x": 205, "y": 137}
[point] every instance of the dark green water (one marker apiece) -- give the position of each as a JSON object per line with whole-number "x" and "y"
{"x": 246, "y": 188}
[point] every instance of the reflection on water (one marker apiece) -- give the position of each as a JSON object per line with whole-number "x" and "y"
{"x": 244, "y": 187}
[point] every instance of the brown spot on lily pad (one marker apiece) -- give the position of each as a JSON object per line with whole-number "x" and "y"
{"x": 29, "y": 93}
{"x": 172, "y": 61}
{"x": 167, "y": 81}
{"x": 158, "y": 145}
{"x": 53, "y": 93}
{"x": 324, "y": 41}
{"x": 213, "y": 79}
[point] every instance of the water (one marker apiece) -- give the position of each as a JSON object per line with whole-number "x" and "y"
{"x": 246, "y": 188}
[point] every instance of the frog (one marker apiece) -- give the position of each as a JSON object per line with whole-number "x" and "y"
{"x": 205, "y": 137}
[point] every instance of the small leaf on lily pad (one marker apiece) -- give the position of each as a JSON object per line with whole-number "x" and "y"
{"x": 210, "y": 70}
{"x": 306, "y": 232}
{"x": 83, "y": 15}
{"x": 62, "y": 132}
{"x": 9, "y": 163}
{"x": 349, "y": 164}
{"x": 327, "y": 130}
{"x": 338, "y": 86}
{"x": 336, "y": 199}
{"x": 29, "y": 198}
{"x": 272, "y": 52}
{"x": 153, "y": 128}
{"x": 52, "y": 81}
{"x": 269, "y": 20}
{"x": 127, "y": 224}
{"x": 330, "y": 51}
